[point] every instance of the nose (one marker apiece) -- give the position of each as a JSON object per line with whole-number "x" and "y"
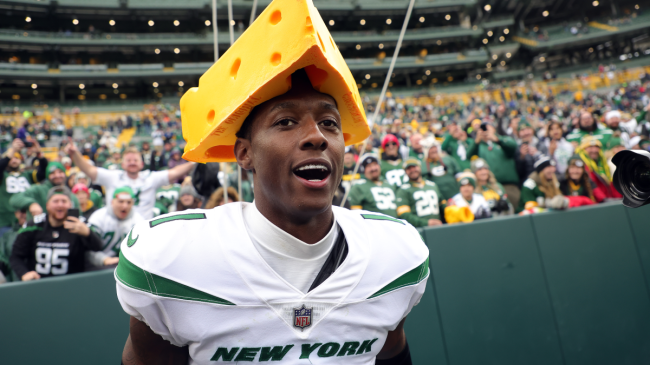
{"x": 312, "y": 137}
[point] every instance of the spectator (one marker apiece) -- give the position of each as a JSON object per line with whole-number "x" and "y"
{"x": 527, "y": 152}
{"x": 150, "y": 158}
{"x": 176, "y": 160}
{"x": 391, "y": 163}
{"x": 442, "y": 169}
{"x": 418, "y": 201}
{"x": 86, "y": 206}
{"x": 247, "y": 193}
{"x": 53, "y": 244}
{"x": 189, "y": 198}
{"x": 143, "y": 183}
{"x": 587, "y": 126}
{"x": 458, "y": 146}
{"x": 112, "y": 224}
{"x": 7, "y": 243}
{"x": 114, "y": 162}
{"x": 591, "y": 154}
{"x": 35, "y": 197}
{"x": 488, "y": 186}
{"x": 216, "y": 199}
{"x": 556, "y": 147}
{"x": 101, "y": 156}
{"x": 468, "y": 198}
{"x": 374, "y": 193}
{"x": 95, "y": 194}
{"x": 499, "y": 153}
{"x": 14, "y": 182}
{"x": 416, "y": 150}
{"x": 577, "y": 182}
{"x": 542, "y": 189}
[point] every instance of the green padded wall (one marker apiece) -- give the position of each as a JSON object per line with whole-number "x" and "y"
{"x": 596, "y": 284}
{"x": 640, "y": 224}
{"x": 423, "y": 331}
{"x": 67, "y": 320}
{"x": 492, "y": 295}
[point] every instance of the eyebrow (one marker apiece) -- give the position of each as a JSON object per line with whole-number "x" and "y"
{"x": 291, "y": 104}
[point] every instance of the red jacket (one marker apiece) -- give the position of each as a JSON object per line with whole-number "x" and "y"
{"x": 604, "y": 189}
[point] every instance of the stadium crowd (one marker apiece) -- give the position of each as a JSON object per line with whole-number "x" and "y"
{"x": 425, "y": 163}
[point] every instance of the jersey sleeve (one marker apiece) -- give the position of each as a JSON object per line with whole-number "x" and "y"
{"x": 133, "y": 286}
{"x": 405, "y": 206}
{"x": 105, "y": 177}
{"x": 159, "y": 178}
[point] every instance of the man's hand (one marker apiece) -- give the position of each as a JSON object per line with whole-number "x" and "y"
{"x": 434, "y": 222}
{"x": 479, "y": 136}
{"x": 523, "y": 151}
{"x": 17, "y": 145}
{"x": 74, "y": 225}
{"x": 35, "y": 209}
{"x": 532, "y": 150}
{"x": 70, "y": 149}
{"x": 32, "y": 275}
{"x": 111, "y": 261}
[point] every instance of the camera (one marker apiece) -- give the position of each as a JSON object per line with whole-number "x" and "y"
{"x": 484, "y": 126}
{"x": 632, "y": 177}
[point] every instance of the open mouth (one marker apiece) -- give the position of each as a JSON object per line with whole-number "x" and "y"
{"x": 313, "y": 172}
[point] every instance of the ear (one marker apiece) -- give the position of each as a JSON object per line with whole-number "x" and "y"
{"x": 244, "y": 154}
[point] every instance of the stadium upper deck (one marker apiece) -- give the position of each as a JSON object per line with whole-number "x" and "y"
{"x": 118, "y": 49}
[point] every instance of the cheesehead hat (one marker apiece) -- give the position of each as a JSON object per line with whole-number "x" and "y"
{"x": 287, "y": 36}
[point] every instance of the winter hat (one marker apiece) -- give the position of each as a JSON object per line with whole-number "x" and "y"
{"x": 411, "y": 162}
{"x": 368, "y": 159}
{"x": 542, "y": 163}
{"x": 54, "y": 165}
{"x": 80, "y": 187}
{"x": 125, "y": 192}
{"x": 465, "y": 180}
{"x": 478, "y": 164}
{"x": 189, "y": 190}
{"x": 61, "y": 189}
{"x": 389, "y": 138}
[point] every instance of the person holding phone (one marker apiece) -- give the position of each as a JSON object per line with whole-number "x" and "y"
{"x": 53, "y": 243}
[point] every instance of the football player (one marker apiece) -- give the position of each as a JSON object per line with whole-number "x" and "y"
{"x": 418, "y": 201}
{"x": 375, "y": 194}
{"x": 288, "y": 278}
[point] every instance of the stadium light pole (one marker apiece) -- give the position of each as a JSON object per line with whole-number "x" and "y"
{"x": 231, "y": 26}
{"x": 215, "y": 31}
{"x": 381, "y": 96}
{"x": 253, "y": 10}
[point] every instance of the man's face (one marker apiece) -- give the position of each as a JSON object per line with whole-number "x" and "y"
{"x": 372, "y": 171}
{"x": 526, "y": 134}
{"x": 168, "y": 147}
{"x": 586, "y": 120}
{"x": 613, "y": 122}
{"x": 58, "y": 206}
{"x": 14, "y": 163}
{"x": 416, "y": 140}
{"x": 593, "y": 152}
{"x": 296, "y": 150}
{"x": 348, "y": 160}
{"x": 57, "y": 177}
{"x": 145, "y": 146}
{"x": 82, "y": 197}
{"x": 132, "y": 162}
{"x": 414, "y": 172}
{"x": 82, "y": 180}
{"x": 122, "y": 206}
{"x": 466, "y": 191}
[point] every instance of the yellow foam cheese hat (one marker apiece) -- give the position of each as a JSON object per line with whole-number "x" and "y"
{"x": 287, "y": 36}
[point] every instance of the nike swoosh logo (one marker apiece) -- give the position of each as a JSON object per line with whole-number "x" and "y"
{"x": 130, "y": 241}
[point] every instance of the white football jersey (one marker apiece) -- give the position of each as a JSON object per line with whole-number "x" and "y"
{"x": 197, "y": 280}
{"x": 111, "y": 230}
{"x": 144, "y": 187}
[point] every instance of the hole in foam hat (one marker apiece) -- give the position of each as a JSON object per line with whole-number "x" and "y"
{"x": 235, "y": 68}
{"x": 346, "y": 137}
{"x": 276, "y": 58}
{"x": 316, "y": 76}
{"x": 211, "y": 117}
{"x": 276, "y": 16}
{"x": 322, "y": 45}
{"x": 308, "y": 22}
{"x": 222, "y": 152}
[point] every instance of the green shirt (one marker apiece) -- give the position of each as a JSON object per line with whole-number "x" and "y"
{"x": 168, "y": 195}
{"x": 374, "y": 196}
{"x": 500, "y": 156}
{"x": 530, "y": 193}
{"x": 393, "y": 172}
{"x": 445, "y": 178}
{"x": 12, "y": 183}
{"x": 601, "y": 133}
{"x": 458, "y": 150}
{"x": 418, "y": 202}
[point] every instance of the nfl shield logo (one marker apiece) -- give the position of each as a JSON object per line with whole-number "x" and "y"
{"x": 302, "y": 317}
{"x": 55, "y": 234}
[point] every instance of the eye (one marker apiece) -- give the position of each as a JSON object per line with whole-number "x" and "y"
{"x": 285, "y": 122}
{"x": 329, "y": 123}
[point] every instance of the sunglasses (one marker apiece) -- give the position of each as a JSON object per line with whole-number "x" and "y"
{"x": 391, "y": 144}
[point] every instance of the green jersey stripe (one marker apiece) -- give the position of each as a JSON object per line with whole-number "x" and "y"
{"x": 381, "y": 218}
{"x": 179, "y": 217}
{"x": 410, "y": 278}
{"x": 134, "y": 277}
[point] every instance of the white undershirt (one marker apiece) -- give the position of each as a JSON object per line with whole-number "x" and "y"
{"x": 295, "y": 261}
